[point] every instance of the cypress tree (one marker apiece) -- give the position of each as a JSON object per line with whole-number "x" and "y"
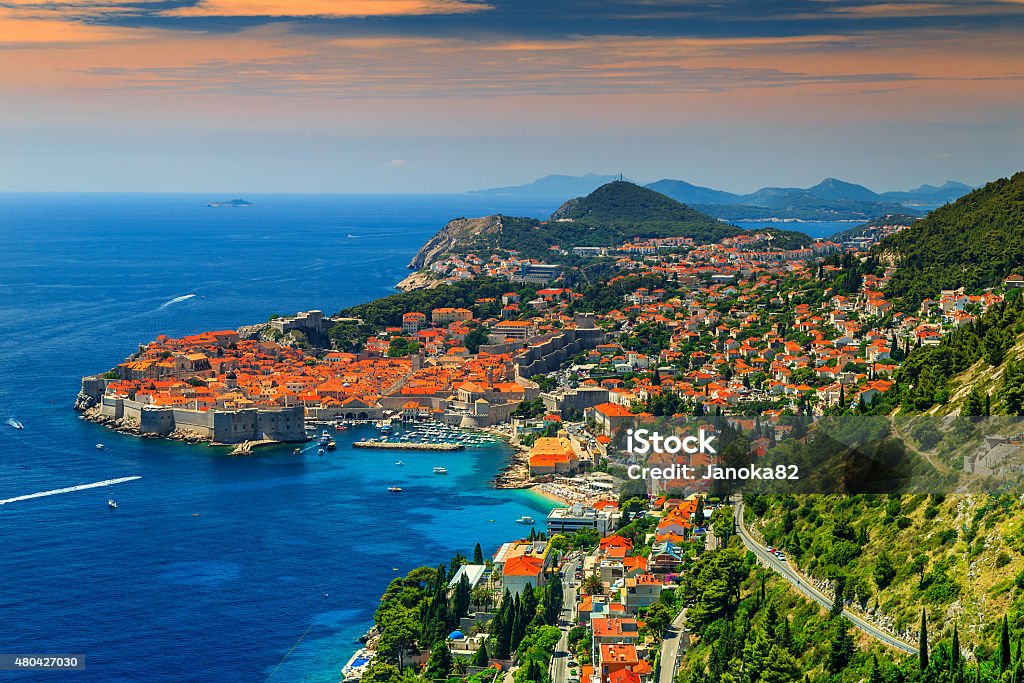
{"x": 923, "y": 651}
{"x": 480, "y": 657}
{"x": 1004, "y": 646}
{"x": 955, "y": 662}
{"x": 478, "y": 554}
{"x": 875, "y": 676}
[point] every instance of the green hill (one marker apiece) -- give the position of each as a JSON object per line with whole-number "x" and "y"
{"x": 621, "y": 210}
{"x": 973, "y": 243}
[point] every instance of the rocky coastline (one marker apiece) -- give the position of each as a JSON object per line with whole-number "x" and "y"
{"x": 129, "y": 426}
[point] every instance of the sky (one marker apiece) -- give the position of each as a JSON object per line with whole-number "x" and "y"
{"x": 452, "y": 95}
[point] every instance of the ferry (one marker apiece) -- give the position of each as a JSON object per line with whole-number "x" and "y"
{"x": 395, "y": 489}
{"x": 440, "y": 470}
{"x": 111, "y": 503}
{"x": 525, "y": 519}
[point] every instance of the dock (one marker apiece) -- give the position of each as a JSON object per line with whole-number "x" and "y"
{"x": 407, "y": 446}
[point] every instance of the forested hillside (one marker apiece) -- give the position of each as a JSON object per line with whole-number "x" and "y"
{"x": 974, "y": 243}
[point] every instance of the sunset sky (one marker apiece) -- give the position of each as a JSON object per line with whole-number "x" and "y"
{"x": 451, "y": 95}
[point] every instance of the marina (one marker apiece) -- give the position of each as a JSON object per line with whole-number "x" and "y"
{"x": 409, "y": 446}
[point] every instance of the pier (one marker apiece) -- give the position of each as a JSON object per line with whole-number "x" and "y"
{"x": 407, "y": 446}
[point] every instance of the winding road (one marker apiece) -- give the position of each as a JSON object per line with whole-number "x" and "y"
{"x": 787, "y": 572}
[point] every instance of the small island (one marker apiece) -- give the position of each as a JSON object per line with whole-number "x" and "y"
{"x": 231, "y": 204}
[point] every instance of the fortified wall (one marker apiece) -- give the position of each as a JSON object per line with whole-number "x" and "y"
{"x": 220, "y": 426}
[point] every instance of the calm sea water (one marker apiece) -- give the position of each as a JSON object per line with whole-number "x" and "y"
{"x": 281, "y": 570}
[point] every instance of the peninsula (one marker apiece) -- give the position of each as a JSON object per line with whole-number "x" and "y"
{"x": 627, "y": 308}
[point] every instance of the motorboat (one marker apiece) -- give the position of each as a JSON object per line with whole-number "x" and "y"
{"x": 525, "y": 519}
{"x": 440, "y": 470}
{"x": 395, "y": 489}
{"x": 111, "y": 503}
{"x": 325, "y": 437}
{"x": 14, "y": 423}
{"x": 100, "y": 447}
{"x": 331, "y": 445}
{"x": 297, "y": 451}
{"x": 399, "y": 463}
{"x": 320, "y": 451}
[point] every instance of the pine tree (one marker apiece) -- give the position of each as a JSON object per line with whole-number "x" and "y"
{"x": 440, "y": 663}
{"x": 923, "y": 645}
{"x": 841, "y": 646}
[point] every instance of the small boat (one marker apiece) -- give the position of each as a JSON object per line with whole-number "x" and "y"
{"x": 331, "y": 445}
{"x": 297, "y": 451}
{"x": 395, "y": 489}
{"x": 100, "y": 447}
{"x": 525, "y": 519}
{"x": 325, "y": 437}
{"x": 320, "y": 451}
{"x": 195, "y": 514}
{"x": 339, "y": 427}
{"x": 111, "y": 503}
{"x": 14, "y": 423}
{"x": 440, "y": 470}
{"x": 399, "y": 463}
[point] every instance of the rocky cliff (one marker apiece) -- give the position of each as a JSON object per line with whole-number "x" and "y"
{"x": 457, "y": 233}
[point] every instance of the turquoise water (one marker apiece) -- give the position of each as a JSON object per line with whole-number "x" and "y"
{"x": 284, "y": 547}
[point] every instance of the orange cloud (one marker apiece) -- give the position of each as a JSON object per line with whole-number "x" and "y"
{"x": 17, "y": 28}
{"x": 325, "y": 8}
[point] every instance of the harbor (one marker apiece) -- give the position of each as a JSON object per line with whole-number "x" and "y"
{"x": 409, "y": 446}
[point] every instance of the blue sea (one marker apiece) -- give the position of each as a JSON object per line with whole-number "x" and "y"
{"x": 281, "y": 570}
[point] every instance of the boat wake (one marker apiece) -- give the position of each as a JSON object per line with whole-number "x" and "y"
{"x": 176, "y": 300}
{"x": 69, "y": 489}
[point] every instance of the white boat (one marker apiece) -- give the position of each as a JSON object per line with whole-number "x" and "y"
{"x": 14, "y": 423}
{"x": 100, "y": 447}
{"x": 399, "y": 463}
{"x": 525, "y": 519}
{"x": 395, "y": 489}
{"x": 320, "y": 451}
{"x": 297, "y": 451}
{"x": 111, "y": 503}
{"x": 440, "y": 470}
{"x": 325, "y": 438}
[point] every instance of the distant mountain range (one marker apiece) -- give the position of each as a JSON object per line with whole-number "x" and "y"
{"x": 829, "y": 200}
